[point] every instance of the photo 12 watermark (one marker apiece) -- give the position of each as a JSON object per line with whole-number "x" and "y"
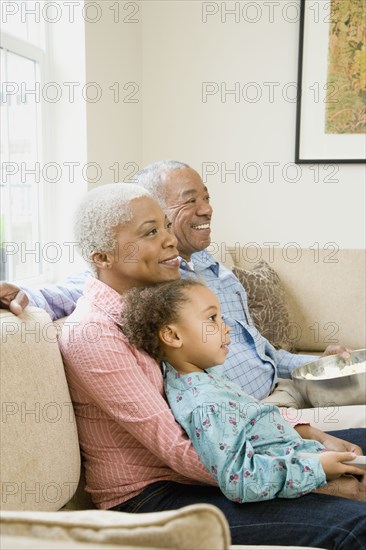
{"x": 249, "y": 12}
{"x": 265, "y": 92}
{"x": 26, "y": 11}
{"x": 71, "y": 92}
{"x": 267, "y": 172}
{"x": 69, "y": 171}
{"x": 292, "y": 252}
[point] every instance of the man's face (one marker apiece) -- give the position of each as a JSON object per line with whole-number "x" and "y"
{"x": 189, "y": 210}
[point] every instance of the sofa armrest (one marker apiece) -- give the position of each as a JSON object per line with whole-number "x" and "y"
{"x": 26, "y": 543}
{"x": 32, "y": 543}
{"x": 200, "y": 526}
{"x": 40, "y": 455}
{"x": 195, "y": 527}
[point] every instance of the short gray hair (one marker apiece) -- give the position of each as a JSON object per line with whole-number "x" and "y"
{"x": 151, "y": 178}
{"x": 100, "y": 212}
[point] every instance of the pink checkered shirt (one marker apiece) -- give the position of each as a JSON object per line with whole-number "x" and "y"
{"x": 128, "y": 435}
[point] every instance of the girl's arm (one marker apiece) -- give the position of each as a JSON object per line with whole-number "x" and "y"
{"x": 243, "y": 475}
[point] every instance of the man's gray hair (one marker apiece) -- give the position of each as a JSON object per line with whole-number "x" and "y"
{"x": 100, "y": 212}
{"x": 151, "y": 178}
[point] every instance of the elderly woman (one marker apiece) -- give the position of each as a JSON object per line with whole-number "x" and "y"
{"x": 137, "y": 458}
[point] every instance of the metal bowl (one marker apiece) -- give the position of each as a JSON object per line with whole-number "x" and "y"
{"x": 340, "y": 390}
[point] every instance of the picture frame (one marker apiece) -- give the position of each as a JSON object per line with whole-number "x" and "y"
{"x": 328, "y": 130}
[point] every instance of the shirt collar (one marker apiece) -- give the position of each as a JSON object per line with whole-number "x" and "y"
{"x": 170, "y": 373}
{"x": 203, "y": 260}
{"x": 104, "y": 297}
{"x": 184, "y": 264}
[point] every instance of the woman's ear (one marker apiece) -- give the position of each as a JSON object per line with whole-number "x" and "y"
{"x": 169, "y": 335}
{"x": 102, "y": 260}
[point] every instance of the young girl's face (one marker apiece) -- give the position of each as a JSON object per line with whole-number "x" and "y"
{"x": 204, "y": 334}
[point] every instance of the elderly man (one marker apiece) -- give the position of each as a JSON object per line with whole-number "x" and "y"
{"x": 253, "y": 363}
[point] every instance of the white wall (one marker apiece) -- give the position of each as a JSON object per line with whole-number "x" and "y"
{"x": 179, "y": 53}
{"x": 113, "y": 62}
{"x": 97, "y": 125}
{"x": 95, "y": 136}
{"x": 66, "y": 142}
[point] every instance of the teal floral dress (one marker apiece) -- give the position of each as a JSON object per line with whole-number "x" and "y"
{"x": 248, "y": 447}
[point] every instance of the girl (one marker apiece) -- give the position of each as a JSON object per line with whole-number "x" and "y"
{"x": 252, "y": 453}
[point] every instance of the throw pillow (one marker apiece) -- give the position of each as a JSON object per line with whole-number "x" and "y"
{"x": 267, "y": 303}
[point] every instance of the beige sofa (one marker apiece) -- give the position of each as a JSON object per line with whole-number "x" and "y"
{"x": 40, "y": 459}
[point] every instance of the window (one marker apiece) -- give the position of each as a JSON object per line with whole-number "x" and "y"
{"x": 23, "y": 51}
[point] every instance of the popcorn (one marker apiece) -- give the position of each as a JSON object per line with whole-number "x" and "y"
{"x": 334, "y": 372}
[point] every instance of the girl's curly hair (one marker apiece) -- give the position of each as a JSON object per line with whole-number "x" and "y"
{"x": 147, "y": 310}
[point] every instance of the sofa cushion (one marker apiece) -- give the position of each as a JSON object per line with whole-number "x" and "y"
{"x": 32, "y": 543}
{"x": 325, "y": 288}
{"x": 267, "y": 303}
{"x": 29, "y": 543}
{"x": 40, "y": 456}
{"x": 192, "y": 527}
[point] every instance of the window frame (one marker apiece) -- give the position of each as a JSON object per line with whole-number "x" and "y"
{"x": 37, "y": 54}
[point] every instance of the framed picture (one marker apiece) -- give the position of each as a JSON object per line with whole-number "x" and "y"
{"x": 331, "y": 102}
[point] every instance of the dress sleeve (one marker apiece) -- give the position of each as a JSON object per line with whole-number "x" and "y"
{"x": 243, "y": 475}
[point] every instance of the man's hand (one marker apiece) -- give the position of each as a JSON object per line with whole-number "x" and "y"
{"x": 342, "y": 351}
{"x": 330, "y": 442}
{"x": 346, "y": 487}
{"x": 11, "y": 297}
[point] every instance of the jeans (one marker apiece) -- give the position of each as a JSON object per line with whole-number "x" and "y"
{"x": 312, "y": 520}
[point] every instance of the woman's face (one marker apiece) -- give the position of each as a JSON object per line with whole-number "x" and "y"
{"x": 146, "y": 252}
